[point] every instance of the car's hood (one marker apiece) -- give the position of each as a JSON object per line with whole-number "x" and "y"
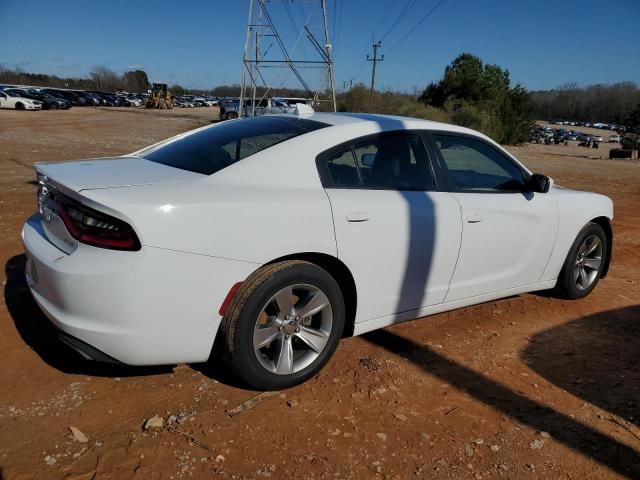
{"x": 111, "y": 173}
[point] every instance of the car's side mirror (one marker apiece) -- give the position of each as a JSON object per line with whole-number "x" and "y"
{"x": 540, "y": 183}
{"x": 367, "y": 159}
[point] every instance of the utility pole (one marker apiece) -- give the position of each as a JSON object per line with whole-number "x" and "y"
{"x": 375, "y": 60}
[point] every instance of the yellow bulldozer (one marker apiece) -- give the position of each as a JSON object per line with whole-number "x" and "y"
{"x": 160, "y": 97}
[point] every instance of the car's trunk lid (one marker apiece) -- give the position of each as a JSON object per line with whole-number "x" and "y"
{"x": 112, "y": 173}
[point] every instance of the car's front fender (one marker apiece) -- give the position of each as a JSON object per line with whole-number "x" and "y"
{"x": 575, "y": 209}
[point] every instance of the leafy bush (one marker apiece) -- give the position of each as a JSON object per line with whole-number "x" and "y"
{"x": 470, "y": 94}
{"x": 388, "y": 103}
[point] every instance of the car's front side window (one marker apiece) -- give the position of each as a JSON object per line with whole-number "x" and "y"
{"x": 475, "y": 166}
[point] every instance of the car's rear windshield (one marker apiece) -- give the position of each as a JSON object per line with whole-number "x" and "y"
{"x": 212, "y": 149}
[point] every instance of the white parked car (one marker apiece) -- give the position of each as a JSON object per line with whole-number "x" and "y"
{"x": 134, "y": 101}
{"x": 615, "y": 138}
{"x": 280, "y": 234}
{"x": 14, "y": 101}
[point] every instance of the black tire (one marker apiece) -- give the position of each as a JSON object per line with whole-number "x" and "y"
{"x": 238, "y": 324}
{"x": 231, "y": 115}
{"x": 19, "y": 106}
{"x": 567, "y": 286}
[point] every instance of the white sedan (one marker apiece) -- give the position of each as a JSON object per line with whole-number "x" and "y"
{"x": 278, "y": 235}
{"x": 14, "y": 101}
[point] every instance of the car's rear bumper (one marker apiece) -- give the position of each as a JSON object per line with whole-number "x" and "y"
{"x": 149, "y": 307}
{"x": 84, "y": 349}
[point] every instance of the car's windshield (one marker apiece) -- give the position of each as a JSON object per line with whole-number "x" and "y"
{"x": 13, "y": 93}
{"x": 210, "y": 150}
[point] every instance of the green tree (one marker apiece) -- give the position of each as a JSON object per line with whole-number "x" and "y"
{"x": 631, "y": 125}
{"x": 135, "y": 81}
{"x": 480, "y": 96}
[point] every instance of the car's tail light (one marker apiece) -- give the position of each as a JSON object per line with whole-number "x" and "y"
{"x": 90, "y": 226}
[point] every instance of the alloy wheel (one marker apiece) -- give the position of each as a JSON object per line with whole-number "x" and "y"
{"x": 293, "y": 329}
{"x": 588, "y": 261}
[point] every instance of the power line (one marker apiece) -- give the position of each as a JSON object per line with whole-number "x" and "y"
{"x": 399, "y": 18}
{"x": 420, "y": 22}
{"x": 294, "y": 26}
{"x": 335, "y": 18}
{"x": 403, "y": 12}
{"x": 338, "y": 19}
{"x": 285, "y": 73}
{"x": 291, "y": 20}
{"x": 386, "y": 14}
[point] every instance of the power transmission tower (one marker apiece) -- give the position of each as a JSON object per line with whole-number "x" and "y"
{"x": 375, "y": 61}
{"x": 266, "y": 50}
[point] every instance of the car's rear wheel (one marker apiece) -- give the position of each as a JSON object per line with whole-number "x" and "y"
{"x": 584, "y": 263}
{"x": 283, "y": 324}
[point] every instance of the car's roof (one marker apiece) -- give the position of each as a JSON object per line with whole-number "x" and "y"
{"x": 385, "y": 122}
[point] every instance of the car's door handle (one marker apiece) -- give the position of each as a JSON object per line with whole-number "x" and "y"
{"x": 474, "y": 218}
{"x": 358, "y": 216}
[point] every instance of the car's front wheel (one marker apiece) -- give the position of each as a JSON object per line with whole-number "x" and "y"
{"x": 584, "y": 263}
{"x": 283, "y": 324}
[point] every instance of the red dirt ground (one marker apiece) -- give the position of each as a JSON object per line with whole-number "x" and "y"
{"x": 526, "y": 387}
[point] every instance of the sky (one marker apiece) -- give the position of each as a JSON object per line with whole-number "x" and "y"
{"x": 200, "y": 43}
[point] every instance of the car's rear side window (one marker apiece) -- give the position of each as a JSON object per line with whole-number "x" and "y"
{"x": 395, "y": 161}
{"x": 210, "y": 150}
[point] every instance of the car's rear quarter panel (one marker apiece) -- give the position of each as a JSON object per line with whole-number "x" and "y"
{"x": 153, "y": 306}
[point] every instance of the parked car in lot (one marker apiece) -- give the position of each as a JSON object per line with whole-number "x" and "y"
{"x": 615, "y": 138}
{"x": 49, "y": 102}
{"x": 199, "y": 101}
{"x": 133, "y": 100}
{"x": 15, "y": 101}
{"x": 183, "y": 102}
{"x": 573, "y": 136}
{"x": 597, "y": 138}
{"x": 230, "y": 109}
{"x": 89, "y": 98}
{"x": 75, "y": 99}
{"x": 278, "y": 235}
